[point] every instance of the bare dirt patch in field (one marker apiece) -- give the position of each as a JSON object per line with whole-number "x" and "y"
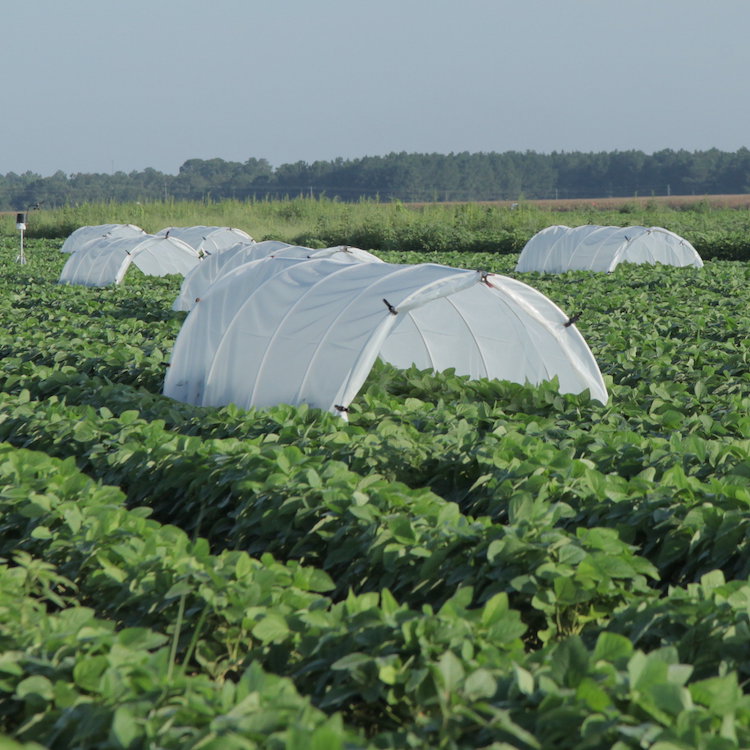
{"x": 659, "y": 201}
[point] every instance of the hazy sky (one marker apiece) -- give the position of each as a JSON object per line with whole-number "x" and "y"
{"x": 106, "y": 85}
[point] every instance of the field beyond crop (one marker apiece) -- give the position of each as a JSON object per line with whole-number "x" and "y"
{"x": 717, "y": 226}
{"x": 630, "y": 203}
{"x": 464, "y": 564}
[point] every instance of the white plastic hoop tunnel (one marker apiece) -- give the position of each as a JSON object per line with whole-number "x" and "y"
{"x": 215, "y": 267}
{"x": 207, "y": 240}
{"x": 106, "y": 261}
{"x": 83, "y": 235}
{"x": 558, "y": 248}
{"x": 295, "y": 331}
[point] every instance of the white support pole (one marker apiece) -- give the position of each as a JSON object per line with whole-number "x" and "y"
{"x": 21, "y": 257}
{"x": 21, "y": 226}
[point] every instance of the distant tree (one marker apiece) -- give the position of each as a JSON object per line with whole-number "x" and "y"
{"x": 252, "y": 178}
{"x": 737, "y": 172}
{"x": 403, "y": 176}
{"x": 49, "y": 191}
{"x": 200, "y": 178}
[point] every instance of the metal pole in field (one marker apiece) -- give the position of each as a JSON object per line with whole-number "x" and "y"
{"x": 21, "y": 226}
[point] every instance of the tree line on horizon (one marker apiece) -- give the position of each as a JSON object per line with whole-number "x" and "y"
{"x": 407, "y": 177}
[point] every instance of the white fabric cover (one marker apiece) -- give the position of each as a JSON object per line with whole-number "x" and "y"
{"x": 346, "y": 253}
{"x": 106, "y": 260}
{"x": 215, "y": 266}
{"x": 197, "y": 282}
{"x": 81, "y": 236}
{"x": 207, "y": 240}
{"x": 287, "y": 330}
{"x": 557, "y": 249}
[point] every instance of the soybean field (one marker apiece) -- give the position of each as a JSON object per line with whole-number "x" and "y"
{"x": 464, "y": 564}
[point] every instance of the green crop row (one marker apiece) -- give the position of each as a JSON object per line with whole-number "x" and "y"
{"x": 70, "y": 679}
{"x": 500, "y": 463}
{"x": 366, "y": 532}
{"x": 453, "y": 678}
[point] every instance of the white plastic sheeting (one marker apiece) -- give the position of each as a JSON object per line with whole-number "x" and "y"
{"x": 207, "y": 240}
{"x": 106, "y": 260}
{"x": 197, "y": 282}
{"x": 215, "y": 266}
{"x": 285, "y": 330}
{"x": 83, "y": 235}
{"x": 557, "y": 249}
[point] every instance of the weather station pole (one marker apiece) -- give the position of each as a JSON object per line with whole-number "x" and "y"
{"x": 21, "y": 227}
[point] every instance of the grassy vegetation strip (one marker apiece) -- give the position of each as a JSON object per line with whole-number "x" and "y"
{"x": 373, "y": 225}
